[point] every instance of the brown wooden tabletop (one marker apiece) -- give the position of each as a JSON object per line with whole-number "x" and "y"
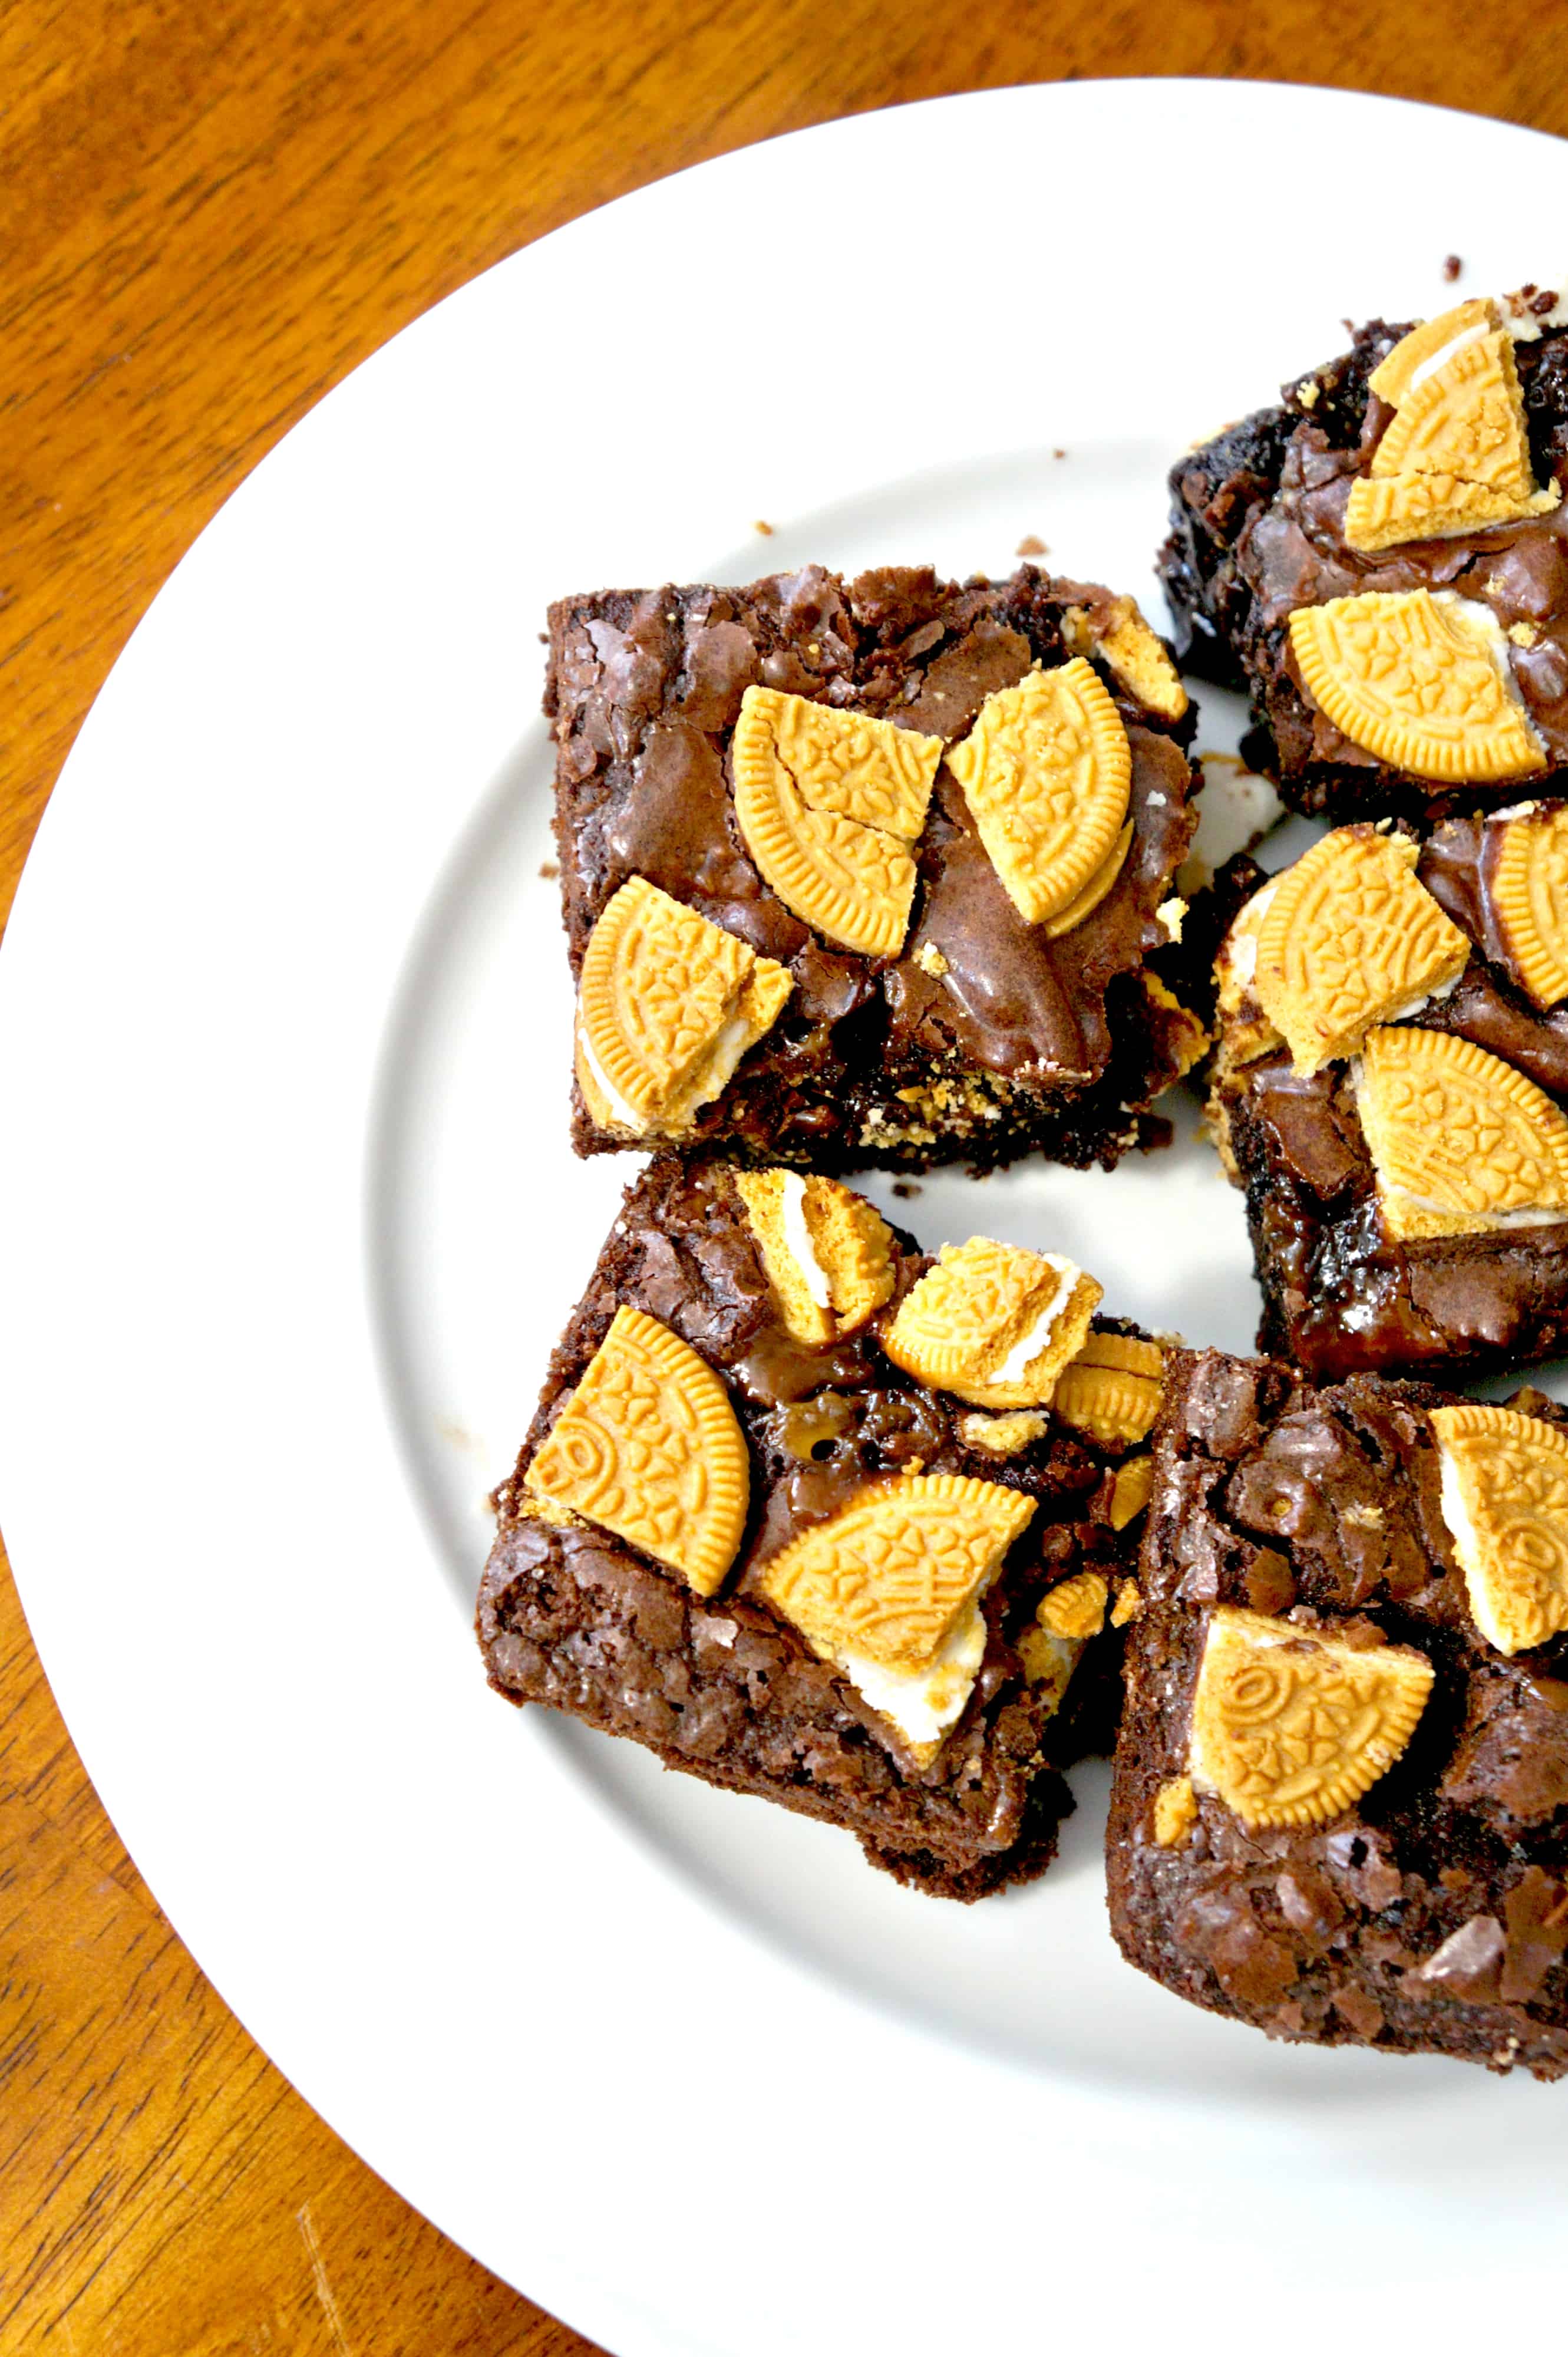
{"x": 209, "y": 212}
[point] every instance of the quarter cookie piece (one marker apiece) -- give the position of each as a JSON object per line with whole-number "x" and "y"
{"x": 1457, "y": 457}
{"x": 1530, "y": 892}
{"x": 1505, "y": 1500}
{"x": 668, "y": 1005}
{"x": 994, "y": 1323}
{"x": 1339, "y": 1810}
{"x": 1390, "y": 1089}
{"x": 1418, "y": 680}
{"x": 740, "y": 1534}
{"x": 1289, "y": 1728}
{"x": 1461, "y": 1142}
{"x": 773, "y": 760}
{"x": 1350, "y": 939}
{"x": 648, "y": 1446}
{"x": 1413, "y": 484}
{"x": 829, "y": 803}
{"x": 1047, "y": 770}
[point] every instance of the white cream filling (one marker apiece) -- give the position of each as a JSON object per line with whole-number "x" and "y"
{"x": 1482, "y": 620}
{"x": 1029, "y": 1345}
{"x": 1467, "y": 1547}
{"x": 1525, "y": 325}
{"x": 798, "y": 1238}
{"x": 620, "y": 1112}
{"x": 923, "y": 1704}
{"x": 1444, "y": 354}
{"x": 1408, "y": 1007}
{"x": 1486, "y": 1223}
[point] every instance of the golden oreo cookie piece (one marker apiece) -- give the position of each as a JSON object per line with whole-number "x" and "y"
{"x": 1133, "y": 1488}
{"x": 1175, "y": 1812}
{"x": 1048, "y": 771}
{"x": 1290, "y": 1728}
{"x": 1083, "y": 904}
{"x": 1113, "y": 1389}
{"x": 1457, "y": 457}
{"x": 827, "y": 1251}
{"x": 1120, "y": 636}
{"x": 1383, "y": 514}
{"x": 1349, "y": 939}
{"x": 1076, "y": 1607}
{"x": 992, "y": 1323}
{"x": 1459, "y": 1139}
{"x": 829, "y": 803}
{"x": 886, "y": 1580}
{"x": 1505, "y": 1500}
{"x": 1411, "y": 677}
{"x": 667, "y": 1005}
{"x": 1390, "y": 379}
{"x": 648, "y": 1447}
{"x": 1530, "y": 894}
{"x": 1129, "y": 1598}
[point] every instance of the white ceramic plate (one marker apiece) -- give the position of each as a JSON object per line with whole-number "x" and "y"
{"x": 288, "y": 1224}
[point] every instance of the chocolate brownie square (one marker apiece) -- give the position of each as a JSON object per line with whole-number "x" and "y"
{"x": 1390, "y": 1087}
{"x": 1381, "y": 561}
{"x": 1339, "y": 1807}
{"x": 876, "y": 872}
{"x": 815, "y": 1516}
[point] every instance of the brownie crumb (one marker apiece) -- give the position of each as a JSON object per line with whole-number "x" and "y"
{"x": 906, "y": 1188}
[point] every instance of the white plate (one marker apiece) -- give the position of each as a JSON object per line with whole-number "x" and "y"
{"x": 288, "y": 1223}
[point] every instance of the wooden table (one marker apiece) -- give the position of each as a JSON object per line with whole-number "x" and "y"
{"x": 209, "y": 212}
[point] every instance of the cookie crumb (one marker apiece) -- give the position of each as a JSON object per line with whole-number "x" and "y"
{"x": 1452, "y": 267}
{"x": 1058, "y": 454}
{"x": 1031, "y": 545}
{"x": 765, "y": 529}
{"x": 549, "y": 870}
{"x": 906, "y": 1190}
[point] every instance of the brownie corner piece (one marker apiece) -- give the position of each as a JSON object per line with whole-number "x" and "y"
{"x": 1391, "y": 1089}
{"x": 1340, "y": 1808}
{"x": 1396, "y": 516}
{"x": 745, "y": 1531}
{"x": 872, "y": 872}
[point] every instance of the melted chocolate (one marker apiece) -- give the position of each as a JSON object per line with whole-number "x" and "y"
{"x": 644, "y": 689}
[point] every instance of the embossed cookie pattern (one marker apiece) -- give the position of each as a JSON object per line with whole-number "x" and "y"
{"x": 648, "y": 1446}
{"x": 1529, "y": 894}
{"x": 1504, "y": 1500}
{"x": 886, "y": 1579}
{"x": 1412, "y": 678}
{"x": 667, "y": 1005}
{"x": 992, "y": 1323}
{"x": 827, "y": 1251}
{"x": 1459, "y": 1139}
{"x": 1349, "y": 939}
{"x": 1113, "y": 1389}
{"x": 829, "y": 803}
{"x": 1290, "y": 1728}
{"x": 1457, "y": 455}
{"x": 1048, "y": 771}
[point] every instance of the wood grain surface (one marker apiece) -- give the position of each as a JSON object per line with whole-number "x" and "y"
{"x": 209, "y": 212}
